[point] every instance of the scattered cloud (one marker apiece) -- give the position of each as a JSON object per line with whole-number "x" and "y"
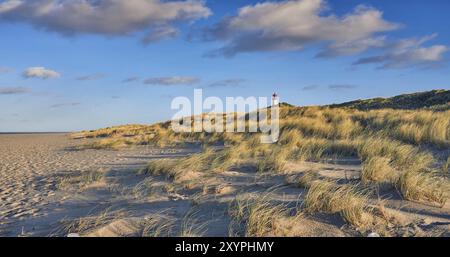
{"x": 227, "y": 83}
{"x": 311, "y": 87}
{"x": 170, "y": 81}
{"x": 4, "y": 70}
{"x": 130, "y": 79}
{"x": 159, "y": 34}
{"x": 341, "y": 87}
{"x": 293, "y": 25}
{"x": 351, "y": 47}
{"x": 13, "y": 90}
{"x": 91, "y": 76}
{"x": 407, "y": 53}
{"x": 40, "y": 72}
{"x": 115, "y": 97}
{"x": 64, "y": 105}
{"x": 105, "y": 17}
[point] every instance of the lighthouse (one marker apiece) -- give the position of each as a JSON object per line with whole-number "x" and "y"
{"x": 275, "y": 99}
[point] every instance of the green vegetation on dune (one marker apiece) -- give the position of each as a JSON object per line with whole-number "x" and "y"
{"x": 437, "y": 98}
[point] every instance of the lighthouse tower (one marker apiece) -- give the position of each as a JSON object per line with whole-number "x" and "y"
{"x": 275, "y": 99}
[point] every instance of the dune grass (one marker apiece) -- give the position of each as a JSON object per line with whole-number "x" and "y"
{"x": 255, "y": 216}
{"x": 397, "y": 147}
{"x": 446, "y": 165}
{"x": 157, "y": 225}
{"x": 378, "y": 169}
{"x": 191, "y": 226}
{"x": 427, "y": 187}
{"x": 81, "y": 179}
{"x": 326, "y": 196}
{"x": 87, "y": 224}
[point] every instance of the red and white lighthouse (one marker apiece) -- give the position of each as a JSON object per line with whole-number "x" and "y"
{"x": 275, "y": 99}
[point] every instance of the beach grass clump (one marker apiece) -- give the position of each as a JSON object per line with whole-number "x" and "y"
{"x": 157, "y": 225}
{"x": 191, "y": 226}
{"x": 88, "y": 224}
{"x": 424, "y": 186}
{"x": 378, "y": 169}
{"x": 160, "y": 167}
{"x": 327, "y": 196}
{"x": 403, "y": 157}
{"x": 273, "y": 161}
{"x": 446, "y": 165}
{"x": 81, "y": 179}
{"x": 255, "y": 216}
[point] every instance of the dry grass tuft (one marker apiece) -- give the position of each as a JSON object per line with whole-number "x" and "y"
{"x": 85, "y": 225}
{"x": 255, "y": 216}
{"x": 446, "y": 165}
{"x": 326, "y": 196}
{"x": 379, "y": 170}
{"x": 275, "y": 161}
{"x": 81, "y": 179}
{"x": 192, "y": 227}
{"x": 157, "y": 225}
{"x": 420, "y": 186}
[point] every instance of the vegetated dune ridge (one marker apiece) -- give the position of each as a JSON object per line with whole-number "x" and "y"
{"x": 336, "y": 171}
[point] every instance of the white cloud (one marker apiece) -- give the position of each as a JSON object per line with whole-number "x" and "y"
{"x": 91, "y": 76}
{"x": 160, "y": 33}
{"x": 105, "y": 17}
{"x": 310, "y": 87}
{"x": 64, "y": 105}
{"x": 169, "y": 81}
{"x": 13, "y": 90}
{"x": 227, "y": 83}
{"x": 40, "y": 72}
{"x": 342, "y": 87}
{"x": 131, "y": 79}
{"x": 292, "y": 25}
{"x": 408, "y": 53}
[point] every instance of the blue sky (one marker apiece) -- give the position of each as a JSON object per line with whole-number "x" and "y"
{"x": 63, "y": 64}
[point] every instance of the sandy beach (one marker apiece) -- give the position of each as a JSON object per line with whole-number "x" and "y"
{"x": 31, "y": 165}
{"x": 35, "y": 202}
